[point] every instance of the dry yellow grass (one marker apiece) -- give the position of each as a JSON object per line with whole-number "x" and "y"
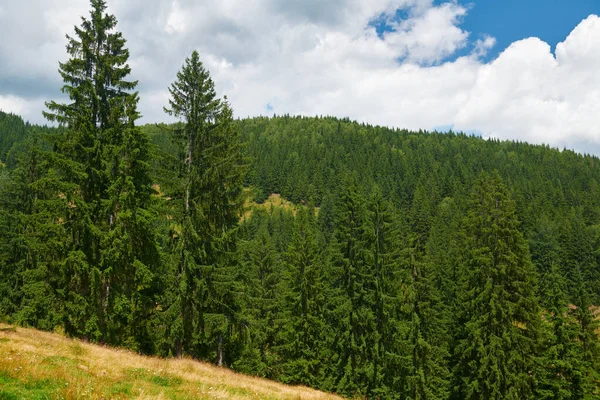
{"x": 42, "y": 365}
{"x": 273, "y": 201}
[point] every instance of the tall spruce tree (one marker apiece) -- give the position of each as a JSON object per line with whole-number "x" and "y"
{"x": 577, "y": 250}
{"x": 211, "y": 200}
{"x": 386, "y": 265}
{"x": 425, "y": 344}
{"x": 261, "y": 269}
{"x": 101, "y": 161}
{"x": 498, "y": 311}
{"x": 304, "y": 330}
{"x": 355, "y": 320}
{"x": 443, "y": 251}
{"x": 561, "y": 362}
{"x": 31, "y": 242}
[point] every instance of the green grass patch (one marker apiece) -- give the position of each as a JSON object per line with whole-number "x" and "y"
{"x": 166, "y": 380}
{"x": 4, "y": 340}
{"x": 163, "y": 380}
{"x": 238, "y": 391}
{"x": 78, "y": 350}
{"x": 120, "y": 388}
{"x": 138, "y": 373}
{"x": 58, "y": 361}
{"x": 27, "y": 388}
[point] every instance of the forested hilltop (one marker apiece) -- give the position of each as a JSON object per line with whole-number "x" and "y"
{"x": 408, "y": 265}
{"x": 312, "y": 160}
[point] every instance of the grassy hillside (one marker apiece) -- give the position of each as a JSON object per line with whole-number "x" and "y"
{"x": 41, "y": 365}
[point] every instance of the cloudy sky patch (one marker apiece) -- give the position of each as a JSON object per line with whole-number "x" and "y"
{"x": 417, "y": 64}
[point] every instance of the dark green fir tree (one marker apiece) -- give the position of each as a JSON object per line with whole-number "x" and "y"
{"x": 101, "y": 158}
{"x": 32, "y": 241}
{"x": 261, "y": 271}
{"x": 210, "y": 204}
{"x": 304, "y": 332}
{"x": 386, "y": 267}
{"x": 561, "y": 361}
{"x": 353, "y": 295}
{"x": 586, "y": 384}
{"x": 425, "y": 345}
{"x": 498, "y": 312}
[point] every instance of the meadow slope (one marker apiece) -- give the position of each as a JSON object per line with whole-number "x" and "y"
{"x": 42, "y": 365}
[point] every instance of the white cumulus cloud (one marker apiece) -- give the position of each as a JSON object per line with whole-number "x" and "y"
{"x": 431, "y": 36}
{"x": 529, "y": 93}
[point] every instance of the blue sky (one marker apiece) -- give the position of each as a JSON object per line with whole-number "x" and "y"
{"x": 511, "y": 20}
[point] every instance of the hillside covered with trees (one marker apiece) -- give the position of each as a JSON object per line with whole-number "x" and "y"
{"x": 412, "y": 265}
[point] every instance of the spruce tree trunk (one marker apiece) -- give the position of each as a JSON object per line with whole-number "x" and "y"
{"x": 189, "y": 161}
{"x": 179, "y": 351}
{"x": 220, "y": 351}
{"x": 184, "y": 315}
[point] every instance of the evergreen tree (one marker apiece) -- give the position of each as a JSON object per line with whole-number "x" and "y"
{"x": 576, "y": 250}
{"x": 304, "y": 330}
{"x": 13, "y": 130}
{"x": 261, "y": 269}
{"x": 586, "y": 385}
{"x": 498, "y": 310}
{"x": 32, "y": 242}
{"x": 386, "y": 244}
{"x": 425, "y": 343}
{"x": 101, "y": 160}
{"x": 212, "y": 173}
{"x": 561, "y": 363}
{"x": 443, "y": 251}
{"x": 545, "y": 255}
{"x": 355, "y": 321}
{"x": 420, "y": 217}
{"x": 9, "y": 285}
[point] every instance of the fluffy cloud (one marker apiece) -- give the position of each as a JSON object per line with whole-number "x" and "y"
{"x": 531, "y": 94}
{"x": 483, "y": 45}
{"x": 309, "y": 57}
{"x": 431, "y": 36}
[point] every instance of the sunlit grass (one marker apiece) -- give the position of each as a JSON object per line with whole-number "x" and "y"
{"x": 274, "y": 201}
{"x": 42, "y": 365}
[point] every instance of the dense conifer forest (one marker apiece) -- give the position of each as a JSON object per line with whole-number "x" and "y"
{"x": 411, "y": 265}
